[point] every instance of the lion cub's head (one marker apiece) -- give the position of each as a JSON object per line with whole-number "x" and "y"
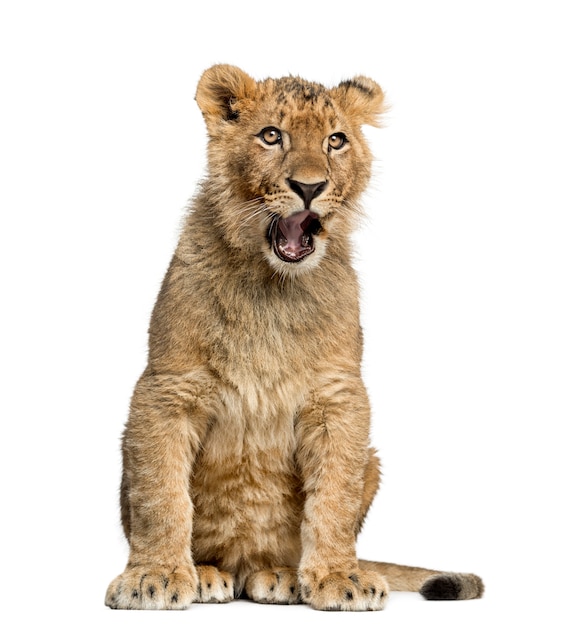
{"x": 287, "y": 162}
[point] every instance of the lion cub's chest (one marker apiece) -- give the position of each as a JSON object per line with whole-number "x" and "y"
{"x": 245, "y": 486}
{"x": 260, "y": 355}
{"x": 260, "y": 348}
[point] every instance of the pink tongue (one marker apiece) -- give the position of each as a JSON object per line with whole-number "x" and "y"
{"x": 294, "y": 226}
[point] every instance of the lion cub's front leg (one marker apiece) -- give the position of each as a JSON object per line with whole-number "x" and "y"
{"x": 160, "y": 442}
{"x": 153, "y": 586}
{"x": 333, "y": 454}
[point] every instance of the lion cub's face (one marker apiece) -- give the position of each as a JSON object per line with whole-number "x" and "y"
{"x": 287, "y": 161}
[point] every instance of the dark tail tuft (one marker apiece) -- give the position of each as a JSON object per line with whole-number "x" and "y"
{"x": 452, "y": 587}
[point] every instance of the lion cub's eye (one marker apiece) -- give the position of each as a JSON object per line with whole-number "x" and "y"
{"x": 270, "y": 135}
{"x": 337, "y": 141}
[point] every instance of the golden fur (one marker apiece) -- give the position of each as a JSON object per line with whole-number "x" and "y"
{"x": 247, "y": 467}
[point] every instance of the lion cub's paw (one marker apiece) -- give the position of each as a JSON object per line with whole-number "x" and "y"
{"x": 359, "y": 590}
{"x": 153, "y": 587}
{"x": 278, "y": 586}
{"x": 214, "y": 585}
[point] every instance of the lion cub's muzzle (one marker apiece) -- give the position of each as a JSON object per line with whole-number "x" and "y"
{"x": 293, "y": 238}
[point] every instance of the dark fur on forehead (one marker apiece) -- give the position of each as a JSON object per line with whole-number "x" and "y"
{"x": 294, "y": 90}
{"x": 299, "y": 88}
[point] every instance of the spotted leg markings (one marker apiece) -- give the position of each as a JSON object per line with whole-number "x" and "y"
{"x": 359, "y": 590}
{"x": 214, "y": 585}
{"x": 276, "y": 586}
{"x": 154, "y": 587}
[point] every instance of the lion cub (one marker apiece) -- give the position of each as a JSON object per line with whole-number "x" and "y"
{"x": 247, "y": 468}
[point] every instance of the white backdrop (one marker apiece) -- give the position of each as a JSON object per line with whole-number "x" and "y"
{"x": 467, "y": 262}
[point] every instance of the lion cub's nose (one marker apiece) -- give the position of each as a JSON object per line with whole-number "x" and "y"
{"x": 307, "y": 191}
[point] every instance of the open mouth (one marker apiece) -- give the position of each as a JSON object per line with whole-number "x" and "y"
{"x": 293, "y": 238}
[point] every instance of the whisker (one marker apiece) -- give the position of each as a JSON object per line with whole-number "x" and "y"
{"x": 247, "y": 207}
{"x": 255, "y": 213}
{"x": 250, "y": 203}
{"x": 247, "y": 211}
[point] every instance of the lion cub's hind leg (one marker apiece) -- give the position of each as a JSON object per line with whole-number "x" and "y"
{"x": 275, "y": 586}
{"x": 214, "y": 585}
{"x": 354, "y": 590}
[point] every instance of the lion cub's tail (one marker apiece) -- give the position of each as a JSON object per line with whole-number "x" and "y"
{"x": 431, "y": 584}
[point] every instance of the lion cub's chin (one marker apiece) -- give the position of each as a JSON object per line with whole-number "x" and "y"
{"x": 287, "y": 269}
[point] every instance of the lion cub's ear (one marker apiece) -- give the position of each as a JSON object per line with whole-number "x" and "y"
{"x": 219, "y": 91}
{"x": 361, "y": 98}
